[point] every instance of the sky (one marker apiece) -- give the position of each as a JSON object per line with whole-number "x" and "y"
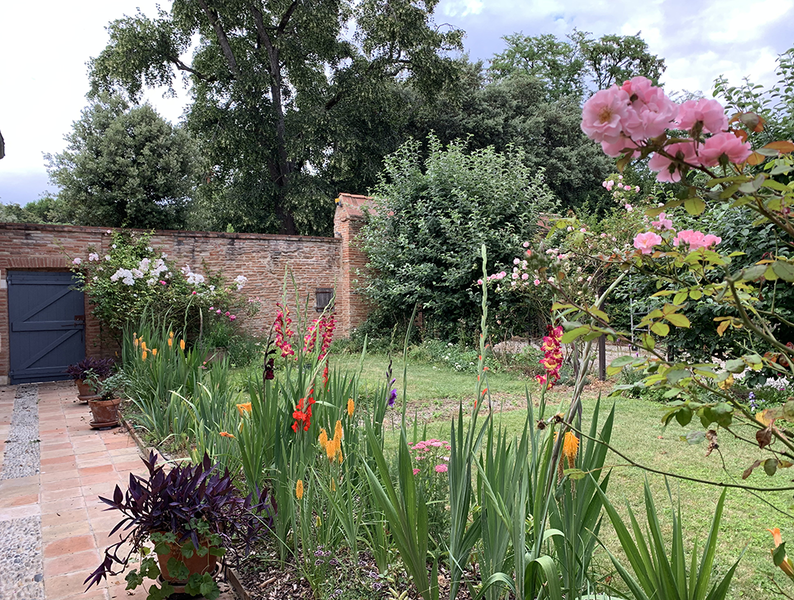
{"x": 45, "y": 45}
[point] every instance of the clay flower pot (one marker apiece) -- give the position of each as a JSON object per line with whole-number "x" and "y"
{"x": 105, "y": 413}
{"x": 195, "y": 564}
{"x": 84, "y": 392}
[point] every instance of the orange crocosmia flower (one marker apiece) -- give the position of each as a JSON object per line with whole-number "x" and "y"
{"x": 570, "y": 448}
{"x": 182, "y": 344}
{"x": 143, "y": 345}
{"x": 154, "y": 351}
{"x": 170, "y": 335}
{"x": 338, "y": 433}
{"x": 144, "y": 355}
{"x": 351, "y": 406}
{"x": 170, "y": 342}
{"x": 244, "y": 408}
{"x": 299, "y": 489}
{"x": 323, "y": 438}
{"x": 226, "y": 434}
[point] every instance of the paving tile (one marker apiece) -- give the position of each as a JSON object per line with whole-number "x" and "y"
{"x": 98, "y": 469}
{"x": 62, "y": 505}
{"x": 60, "y": 484}
{"x": 79, "y": 562}
{"x": 9, "y": 501}
{"x": 69, "y": 545}
{"x": 65, "y": 492}
{"x": 64, "y": 586}
{"x": 60, "y": 475}
{"x": 19, "y": 512}
{"x": 58, "y": 532}
{"x": 66, "y": 516}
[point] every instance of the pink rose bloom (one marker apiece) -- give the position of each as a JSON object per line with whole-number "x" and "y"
{"x": 695, "y": 239}
{"x": 163, "y": 282}
{"x": 663, "y": 222}
{"x": 708, "y": 112}
{"x": 628, "y": 207}
{"x": 218, "y": 311}
{"x": 615, "y": 149}
{"x": 653, "y": 112}
{"x": 227, "y": 313}
{"x": 525, "y": 244}
{"x": 232, "y": 317}
{"x": 603, "y": 113}
{"x": 669, "y": 171}
{"x": 724, "y": 144}
{"x": 646, "y": 241}
{"x": 536, "y": 282}
{"x": 77, "y": 261}
{"x": 479, "y": 282}
{"x": 525, "y": 276}
{"x": 441, "y": 468}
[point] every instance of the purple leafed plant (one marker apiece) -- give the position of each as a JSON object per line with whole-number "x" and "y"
{"x": 176, "y": 502}
{"x": 90, "y": 366}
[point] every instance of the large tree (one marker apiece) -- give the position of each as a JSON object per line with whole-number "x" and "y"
{"x": 580, "y": 63}
{"x": 124, "y": 166}
{"x": 270, "y": 80}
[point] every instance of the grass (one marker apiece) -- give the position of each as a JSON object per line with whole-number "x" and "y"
{"x": 434, "y": 391}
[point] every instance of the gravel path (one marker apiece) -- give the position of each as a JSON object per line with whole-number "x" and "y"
{"x": 21, "y": 562}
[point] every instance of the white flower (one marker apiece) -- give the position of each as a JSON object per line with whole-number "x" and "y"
{"x": 93, "y": 256}
{"x": 241, "y": 281}
{"x": 164, "y": 255}
{"x": 113, "y": 246}
{"x": 212, "y": 288}
{"x": 144, "y": 265}
{"x": 77, "y": 261}
{"x": 137, "y": 273}
{"x": 107, "y": 256}
{"x": 149, "y": 249}
{"x": 151, "y": 281}
{"x": 195, "y": 278}
{"x": 96, "y": 278}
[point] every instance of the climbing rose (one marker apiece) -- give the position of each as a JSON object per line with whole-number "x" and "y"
{"x": 646, "y": 241}
{"x": 604, "y": 113}
{"x": 669, "y": 171}
{"x": 663, "y": 222}
{"x": 652, "y": 111}
{"x": 724, "y": 144}
{"x": 695, "y": 239}
{"x": 708, "y": 112}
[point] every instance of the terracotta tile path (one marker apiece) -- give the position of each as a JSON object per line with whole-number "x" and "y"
{"x": 77, "y": 465}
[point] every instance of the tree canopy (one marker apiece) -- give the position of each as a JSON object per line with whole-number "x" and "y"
{"x": 268, "y": 80}
{"x": 124, "y": 166}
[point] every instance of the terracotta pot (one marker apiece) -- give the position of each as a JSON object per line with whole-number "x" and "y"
{"x": 105, "y": 412}
{"x": 195, "y": 564}
{"x": 84, "y": 391}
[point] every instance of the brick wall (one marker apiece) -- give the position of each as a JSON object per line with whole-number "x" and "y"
{"x": 315, "y": 262}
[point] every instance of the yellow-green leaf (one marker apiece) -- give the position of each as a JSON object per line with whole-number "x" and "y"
{"x": 694, "y": 206}
{"x": 678, "y": 320}
{"x": 660, "y": 328}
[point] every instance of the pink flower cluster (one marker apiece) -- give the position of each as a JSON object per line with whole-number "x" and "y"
{"x": 219, "y": 312}
{"x": 428, "y": 450}
{"x": 324, "y": 328}
{"x": 623, "y": 119}
{"x": 552, "y": 357}
{"x": 283, "y": 332}
{"x": 645, "y": 242}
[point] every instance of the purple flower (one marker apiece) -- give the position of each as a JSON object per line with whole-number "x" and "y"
{"x": 392, "y": 397}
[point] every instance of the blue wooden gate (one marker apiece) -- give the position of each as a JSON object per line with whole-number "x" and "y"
{"x": 47, "y": 319}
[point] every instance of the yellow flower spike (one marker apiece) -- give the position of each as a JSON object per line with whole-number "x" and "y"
{"x": 226, "y": 434}
{"x": 330, "y": 449}
{"x": 154, "y": 351}
{"x": 244, "y": 408}
{"x": 182, "y": 344}
{"x": 299, "y": 489}
{"x": 135, "y": 342}
{"x": 351, "y": 406}
{"x": 323, "y": 439}
{"x": 143, "y": 345}
{"x": 786, "y": 566}
{"x": 338, "y": 434}
{"x": 570, "y": 448}
{"x": 170, "y": 342}
{"x": 144, "y": 355}
{"x": 171, "y": 335}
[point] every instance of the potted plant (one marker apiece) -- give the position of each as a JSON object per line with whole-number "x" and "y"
{"x": 105, "y": 400}
{"x": 191, "y": 514}
{"x": 89, "y": 368}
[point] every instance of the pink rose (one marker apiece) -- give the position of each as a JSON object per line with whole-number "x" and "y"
{"x": 218, "y": 311}
{"x": 669, "y": 171}
{"x": 163, "y": 282}
{"x": 708, "y": 112}
{"x": 479, "y": 282}
{"x": 646, "y": 241}
{"x": 615, "y": 149}
{"x": 663, "y": 222}
{"x": 536, "y": 282}
{"x": 194, "y": 292}
{"x": 227, "y": 313}
{"x": 603, "y": 113}
{"x": 232, "y": 318}
{"x": 724, "y": 145}
{"x": 695, "y": 239}
{"x": 652, "y": 111}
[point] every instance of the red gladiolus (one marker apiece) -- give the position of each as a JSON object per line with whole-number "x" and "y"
{"x": 283, "y": 332}
{"x": 303, "y": 416}
{"x": 552, "y": 357}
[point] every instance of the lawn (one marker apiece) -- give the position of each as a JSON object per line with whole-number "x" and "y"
{"x": 434, "y": 391}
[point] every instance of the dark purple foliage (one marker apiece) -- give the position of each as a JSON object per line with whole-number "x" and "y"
{"x": 98, "y": 367}
{"x": 167, "y": 502}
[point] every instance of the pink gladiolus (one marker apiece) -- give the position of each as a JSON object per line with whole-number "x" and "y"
{"x": 663, "y": 222}
{"x": 603, "y": 114}
{"x": 669, "y": 171}
{"x": 695, "y": 239}
{"x": 709, "y": 112}
{"x": 724, "y": 145}
{"x": 646, "y": 241}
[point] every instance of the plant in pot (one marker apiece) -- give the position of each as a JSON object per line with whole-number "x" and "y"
{"x": 191, "y": 514}
{"x": 89, "y": 368}
{"x": 105, "y": 401}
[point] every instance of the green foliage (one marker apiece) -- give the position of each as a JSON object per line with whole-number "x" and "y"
{"x": 662, "y": 573}
{"x": 271, "y": 84}
{"x": 44, "y": 210}
{"x": 429, "y": 221}
{"x": 566, "y": 68}
{"x": 124, "y": 167}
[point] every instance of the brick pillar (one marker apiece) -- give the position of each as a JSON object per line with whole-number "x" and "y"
{"x": 351, "y": 304}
